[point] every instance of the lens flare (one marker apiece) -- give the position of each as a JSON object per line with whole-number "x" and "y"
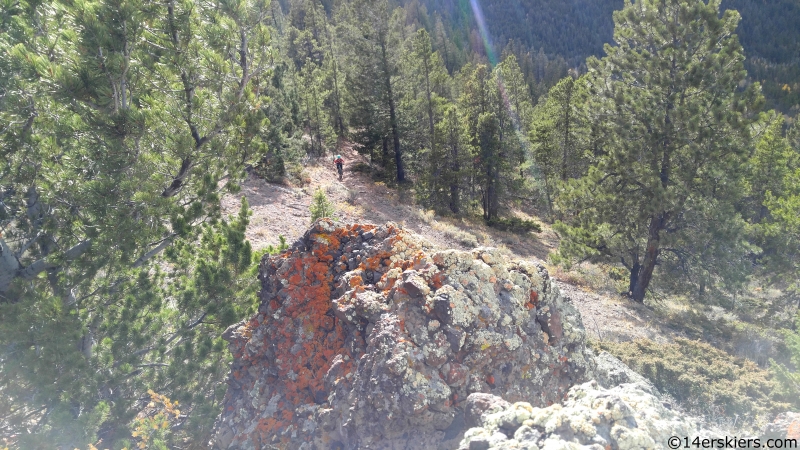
{"x": 491, "y": 55}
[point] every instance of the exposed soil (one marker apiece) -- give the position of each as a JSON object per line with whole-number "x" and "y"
{"x": 284, "y": 210}
{"x": 614, "y": 318}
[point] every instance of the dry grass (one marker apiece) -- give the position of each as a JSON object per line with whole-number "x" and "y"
{"x": 453, "y": 232}
{"x": 349, "y": 209}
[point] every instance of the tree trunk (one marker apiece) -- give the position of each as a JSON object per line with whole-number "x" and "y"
{"x": 547, "y": 195}
{"x": 398, "y": 156}
{"x": 8, "y": 266}
{"x": 565, "y": 155}
{"x": 336, "y": 96}
{"x": 454, "y": 200}
{"x": 493, "y": 198}
{"x": 634, "y": 275}
{"x": 490, "y": 201}
{"x": 657, "y": 222}
{"x": 456, "y": 168}
{"x": 430, "y": 103}
{"x": 385, "y": 154}
{"x": 387, "y": 76}
{"x": 650, "y": 256}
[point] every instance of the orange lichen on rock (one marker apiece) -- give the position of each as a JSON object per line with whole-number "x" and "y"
{"x": 793, "y": 432}
{"x": 360, "y": 334}
{"x": 437, "y": 280}
{"x": 533, "y": 300}
{"x": 356, "y": 281}
{"x": 306, "y": 338}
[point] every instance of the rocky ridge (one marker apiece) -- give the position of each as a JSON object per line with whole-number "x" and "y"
{"x": 619, "y": 409}
{"x": 627, "y": 416}
{"x": 367, "y": 337}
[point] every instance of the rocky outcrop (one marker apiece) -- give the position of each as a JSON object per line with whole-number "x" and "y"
{"x": 628, "y": 416}
{"x": 610, "y": 372}
{"x": 366, "y": 337}
{"x": 785, "y": 425}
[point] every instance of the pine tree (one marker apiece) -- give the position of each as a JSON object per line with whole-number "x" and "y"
{"x": 769, "y": 166}
{"x": 773, "y": 200}
{"x": 473, "y": 101}
{"x": 367, "y": 34}
{"x": 320, "y": 206}
{"x": 790, "y": 380}
{"x": 514, "y": 90}
{"x": 453, "y": 165}
{"x": 677, "y": 136}
{"x": 560, "y": 135}
{"x": 490, "y": 161}
{"x": 311, "y": 52}
{"x": 490, "y": 121}
{"x": 426, "y": 90}
{"x": 123, "y": 125}
{"x": 444, "y": 46}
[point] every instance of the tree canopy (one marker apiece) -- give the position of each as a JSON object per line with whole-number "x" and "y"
{"x": 662, "y": 191}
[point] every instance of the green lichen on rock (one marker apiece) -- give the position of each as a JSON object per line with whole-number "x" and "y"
{"x": 626, "y": 417}
{"x": 397, "y": 336}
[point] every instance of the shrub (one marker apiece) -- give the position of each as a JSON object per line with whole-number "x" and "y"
{"x": 702, "y": 378}
{"x": 453, "y": 232}
{"x": 320, "y": 206}
{"x": 271, "y": 167}
{"x": 297, "y": 174}
{"x": 790, "y": 381}
{"x": 272, "y": 250}
{"x": 514, "y": 224}
{"x": 352, "y": 197}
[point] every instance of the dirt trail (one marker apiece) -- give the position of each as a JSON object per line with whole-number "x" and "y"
{"x": 283, "y": 210}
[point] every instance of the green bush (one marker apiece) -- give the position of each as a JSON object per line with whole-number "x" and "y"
{"x": 514, "y": 224}
{"x": 702, "y": 378}
{"x": 272, "y": 250}
{"x": 790, "y": 380}
{"x": 320, "y": 206}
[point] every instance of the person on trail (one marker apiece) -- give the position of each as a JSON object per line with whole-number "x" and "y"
{"x": 339, "y": 165}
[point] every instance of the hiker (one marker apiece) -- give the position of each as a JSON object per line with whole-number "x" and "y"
{"x": 339, "y": 165}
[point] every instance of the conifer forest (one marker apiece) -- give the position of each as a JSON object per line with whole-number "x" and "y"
{"x": 656, "y": 141}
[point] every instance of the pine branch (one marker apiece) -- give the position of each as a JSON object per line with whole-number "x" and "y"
{"x": 34, "y": 269}
{"x": 161, "y": 246}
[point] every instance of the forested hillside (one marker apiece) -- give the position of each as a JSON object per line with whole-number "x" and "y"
{"x": 574, "y": 30}
{"x": 123, "y": 124}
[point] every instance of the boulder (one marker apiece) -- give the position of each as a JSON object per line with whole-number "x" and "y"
{"x": 610, "y": 372}
{"x": 785, "y": 426}
{"x": 628, "y": 416}
{"x": 367, "y": 337}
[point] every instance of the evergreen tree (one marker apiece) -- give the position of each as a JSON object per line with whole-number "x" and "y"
{"x": 334, "y": 80}
{"x": 372, "y": 45}
{"x": 320, "y": 206}
{"x": 426, "y": 93}
{"x": 515, "y": 94}
{"x": 769, "y": 166}
{"x": 473, "y": 101}
{"x": 444, "y": 46}
{"x": 560, "y": 135}
{"x": 490, "y": 158}
{"x": 311, "y": 51}
{"x": 452, "y": 161}
{"x": 123, "y": 123}
{"x": 306, "y": 32}
{"x": 773, "y": 202}
{"x": 494, "y": 132}
{"x": 677, "y": 126}
{"x": 790, "y": 380}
